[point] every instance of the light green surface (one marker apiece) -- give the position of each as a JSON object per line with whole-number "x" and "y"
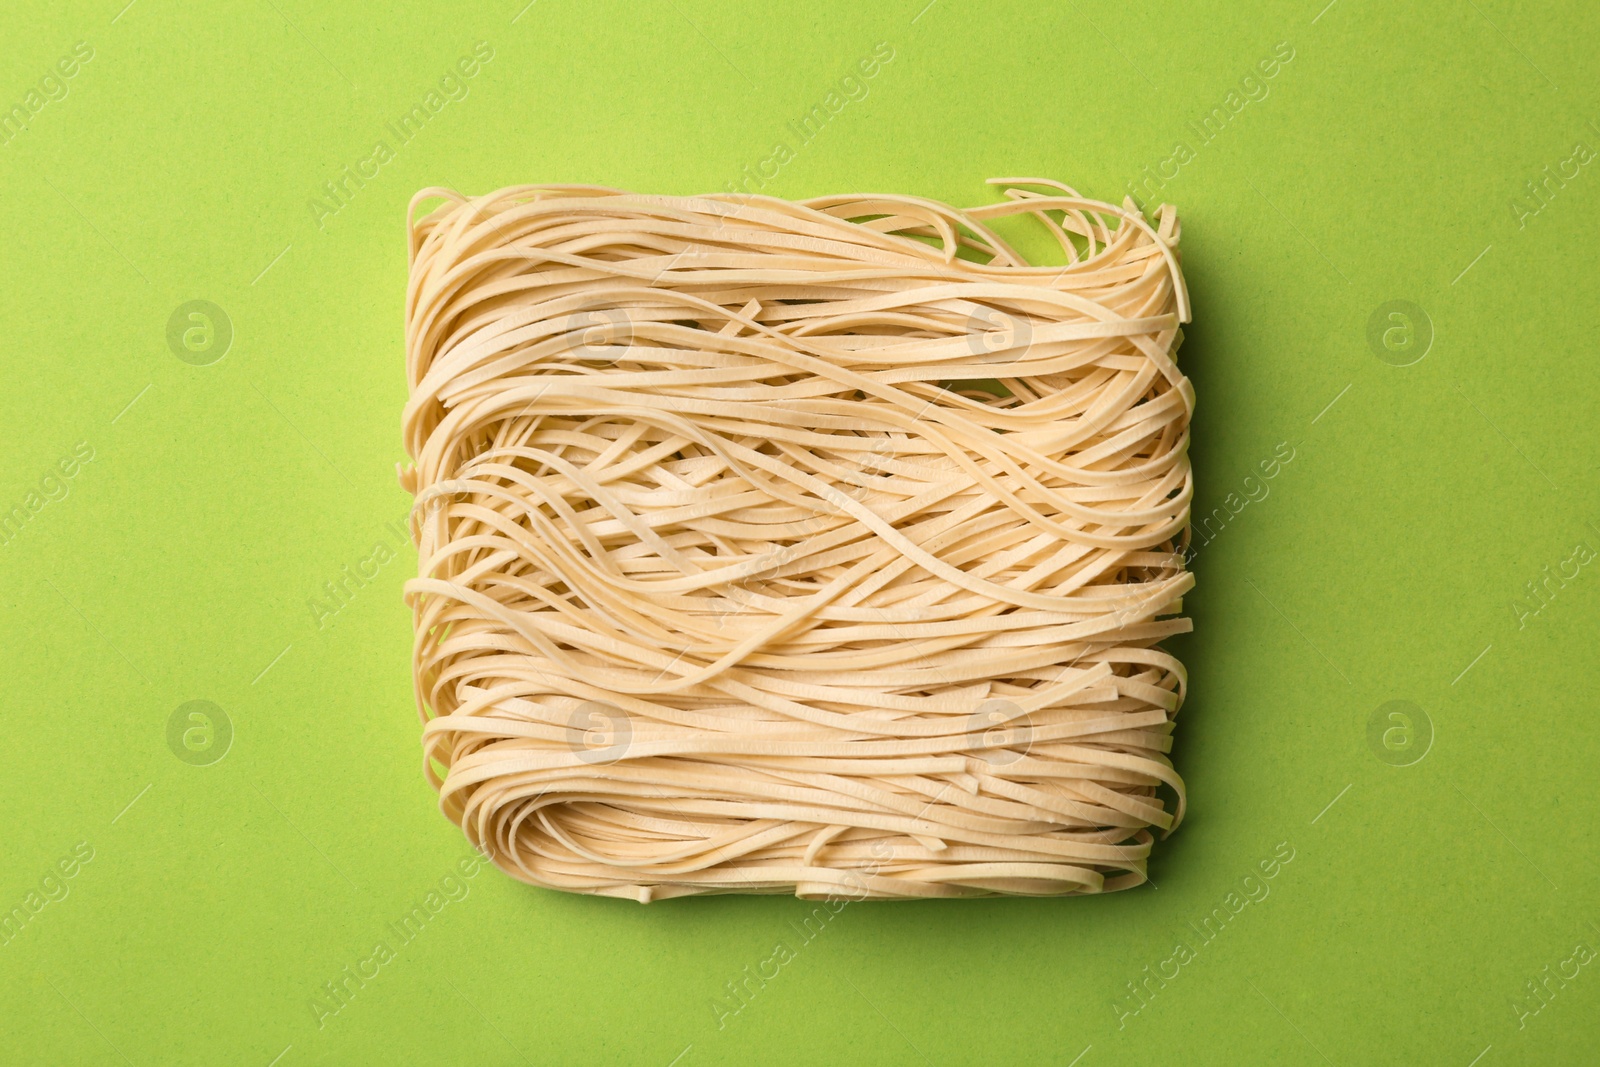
{"x": 1382, "y": 564}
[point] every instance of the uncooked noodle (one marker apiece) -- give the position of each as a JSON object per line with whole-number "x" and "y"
{"x": 819, "y": 547}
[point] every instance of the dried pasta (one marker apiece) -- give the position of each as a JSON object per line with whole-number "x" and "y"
{"x": 817, "y": 547}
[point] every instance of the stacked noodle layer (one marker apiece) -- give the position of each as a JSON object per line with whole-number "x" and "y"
{"x": 818, "y": 547}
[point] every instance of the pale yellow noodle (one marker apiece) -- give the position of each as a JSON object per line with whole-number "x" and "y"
{"x": 740, "y": 573}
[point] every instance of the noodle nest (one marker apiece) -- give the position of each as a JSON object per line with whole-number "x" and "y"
{"x": 817, "y": 547}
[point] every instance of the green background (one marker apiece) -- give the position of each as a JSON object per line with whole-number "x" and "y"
{"x": 1384, "y": 563}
